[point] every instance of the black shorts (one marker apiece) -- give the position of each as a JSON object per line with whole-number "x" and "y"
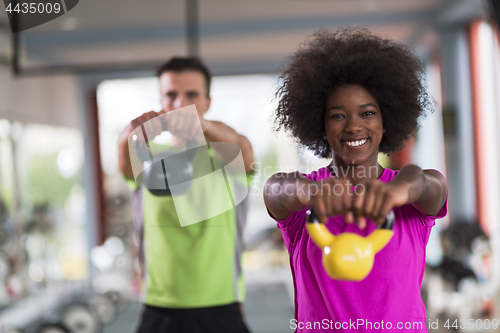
{"x": 216, "y": 319}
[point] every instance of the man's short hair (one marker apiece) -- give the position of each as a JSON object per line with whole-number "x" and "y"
{"x": 183, "y": 64}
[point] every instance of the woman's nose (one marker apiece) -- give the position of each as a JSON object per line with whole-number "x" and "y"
{"x": 353, "y": 124}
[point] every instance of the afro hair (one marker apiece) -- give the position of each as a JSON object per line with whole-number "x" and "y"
{"x": 387, "y": 69}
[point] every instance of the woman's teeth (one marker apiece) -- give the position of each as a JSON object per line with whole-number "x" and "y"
{"x": 355, "y": 143}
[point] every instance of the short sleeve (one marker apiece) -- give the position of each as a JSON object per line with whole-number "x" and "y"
{"x": 291, "y": 227}
{"x": 444, "y": 210}
{"x": 132, "y": 185}
{"x": 442, "y": 213}
{"x": 289, "y": 221}
{"x": 428, "y": 220}
{"x": 246, "y": 179}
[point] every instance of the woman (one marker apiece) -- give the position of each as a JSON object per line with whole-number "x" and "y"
{"x": 349, "y": 95}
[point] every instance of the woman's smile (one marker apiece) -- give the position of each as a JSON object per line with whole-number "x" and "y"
{"x": 353, "y": 125}
{"x": 355, "y": 144}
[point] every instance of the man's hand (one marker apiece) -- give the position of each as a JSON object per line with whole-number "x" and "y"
{"x": 153, "y": 128}
{"x": 184, "y": 125}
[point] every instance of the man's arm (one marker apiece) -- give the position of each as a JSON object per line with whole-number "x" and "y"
{"x": 124, "y": 165}
{"x": 215, "y": 131}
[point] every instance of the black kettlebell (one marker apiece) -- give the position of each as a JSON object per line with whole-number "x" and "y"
{"x": 166, "y": 169}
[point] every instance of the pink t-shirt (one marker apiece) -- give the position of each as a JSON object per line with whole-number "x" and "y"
{"x": 388, "y": 299}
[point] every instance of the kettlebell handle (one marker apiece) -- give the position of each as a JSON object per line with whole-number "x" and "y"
{"x": 193, "y": 143}
{"x": 388, "y": 224}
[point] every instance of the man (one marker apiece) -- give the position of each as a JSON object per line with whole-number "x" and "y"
{"x": 192, "y": 281}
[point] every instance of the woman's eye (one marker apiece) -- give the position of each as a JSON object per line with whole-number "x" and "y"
{"x": 369, "y": 113}
{"x": 337, "y": 116}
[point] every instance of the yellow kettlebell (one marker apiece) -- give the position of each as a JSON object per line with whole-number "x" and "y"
{"x": 349, "y": 256}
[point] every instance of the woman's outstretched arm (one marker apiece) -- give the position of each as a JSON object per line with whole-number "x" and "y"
{"x": 285, "y": 193}
{"x": 280, "y": 193}
{"x": 427, "y": 188}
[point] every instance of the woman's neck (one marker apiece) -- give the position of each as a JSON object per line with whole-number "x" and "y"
{"x": 357, "y": 173}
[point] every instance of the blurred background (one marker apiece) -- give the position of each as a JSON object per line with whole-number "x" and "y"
{"x": 68, "y": 251}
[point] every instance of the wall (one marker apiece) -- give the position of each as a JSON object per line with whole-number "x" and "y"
{"x": 51, "y": 100}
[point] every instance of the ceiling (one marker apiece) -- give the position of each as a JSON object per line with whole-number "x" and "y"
{"x": 236, "y": 36}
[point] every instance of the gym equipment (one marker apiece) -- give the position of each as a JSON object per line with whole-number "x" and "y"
{"x": 123, "y": 263}
{"x": 118, "y": 300}
{"x": 348, "y": 256}
{"x": 52, "y": 328}
{"x": 167, "y": 168}
{"x": 81, "y": 318}
{"x": 121, "y": 230}
{"x": 104, "y": 307}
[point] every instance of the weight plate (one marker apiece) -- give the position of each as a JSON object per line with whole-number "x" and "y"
{"x": 52, "y": 328}
{"x": 80, "y": 318}
{"x": 119, "y": 229}
{"x": 104, "y": 308}
{"x": 123, "y": 263}
{"x": 118, "y": 299}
